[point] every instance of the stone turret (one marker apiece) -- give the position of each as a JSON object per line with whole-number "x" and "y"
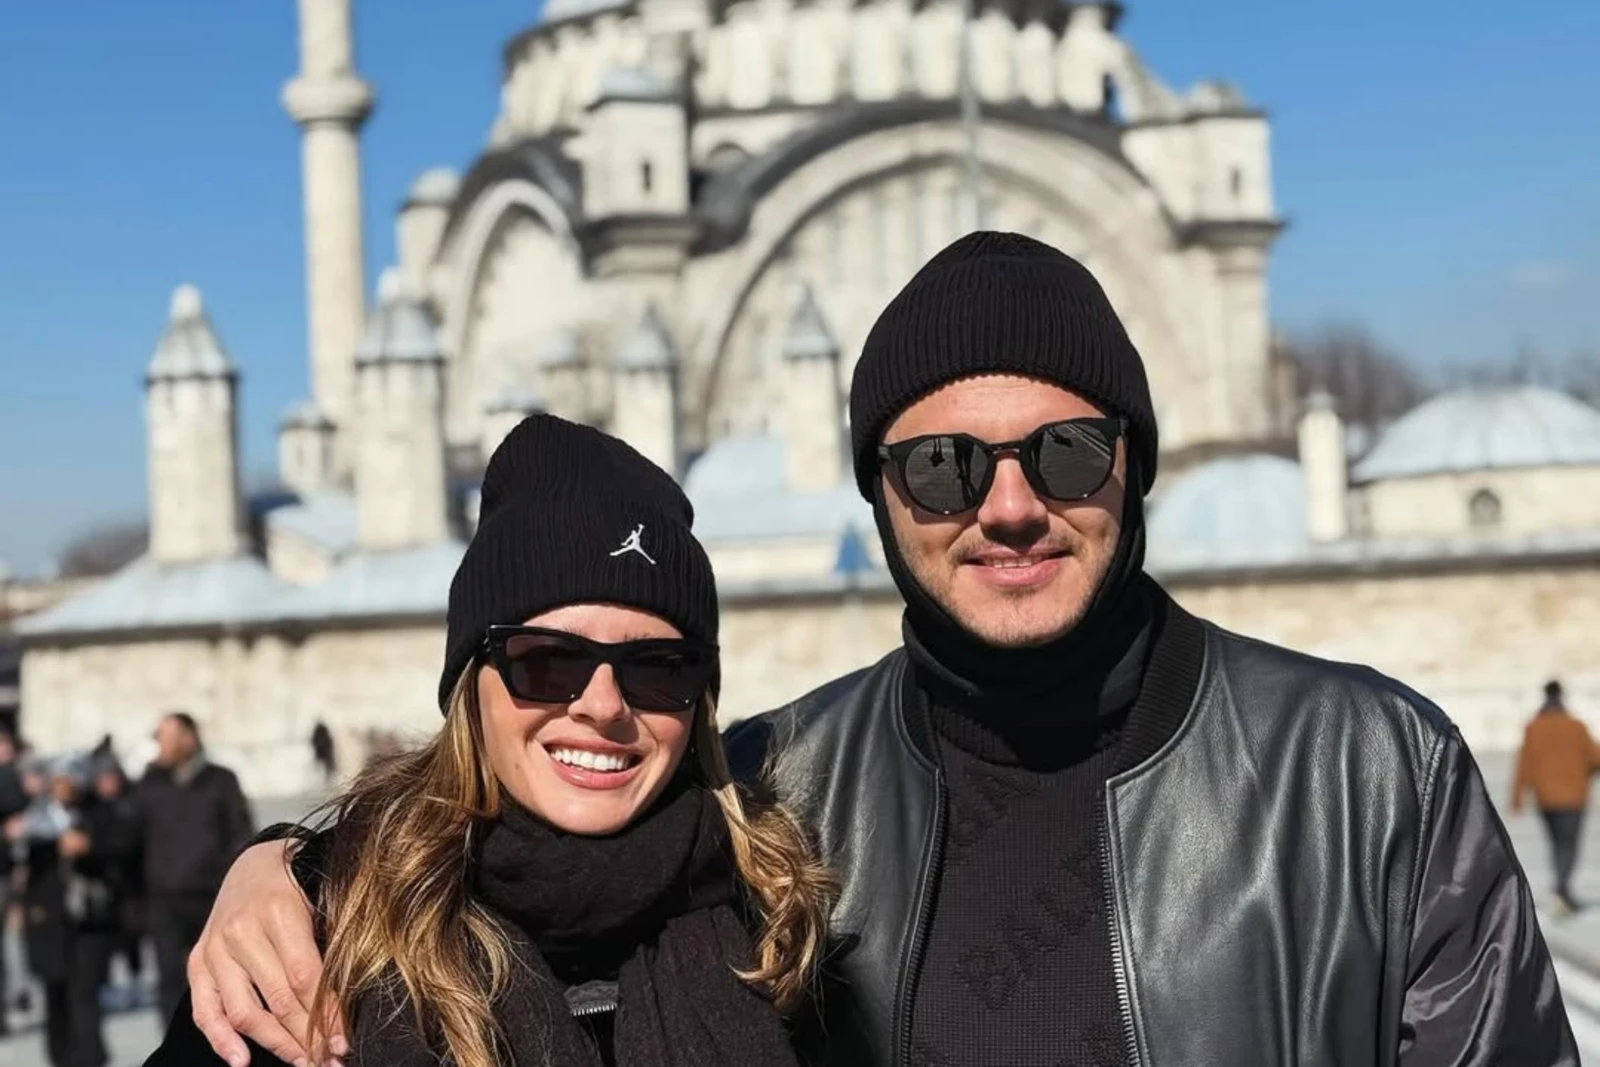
{"x": 420, "y": 225}
{"x": 646, "y": 391}
{"x": 399, "y": 452}
{"x": 1323, "y": 465}
{"x": 330, "y": 103}
{"x": 190, "y": 408}
{"x": 305, "y": 449}
{"x": 812, "y": 407}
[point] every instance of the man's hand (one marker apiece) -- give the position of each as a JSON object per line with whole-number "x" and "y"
{"x": 259, "y": 938}
{"x": 14, "y": 827}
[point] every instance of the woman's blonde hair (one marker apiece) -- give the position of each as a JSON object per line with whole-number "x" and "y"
{"x": 400, "y": 923}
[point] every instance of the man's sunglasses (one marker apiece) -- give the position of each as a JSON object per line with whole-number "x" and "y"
{"x": 951, "y": 473}
{"x": 554, "y": 667}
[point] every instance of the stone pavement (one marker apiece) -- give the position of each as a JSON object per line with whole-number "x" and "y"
{"x": 1575, "y": 941}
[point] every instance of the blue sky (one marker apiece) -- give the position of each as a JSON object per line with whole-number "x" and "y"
{"x": 1439, "y": 163}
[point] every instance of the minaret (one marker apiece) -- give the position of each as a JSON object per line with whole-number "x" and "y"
{"x": 399, "y": 422}
{"x": 193, "y": 440}
{"x": 330, "y": 103}
{"x": 813, "y": 411}
{"x": 1322, "y": 464}
{"x": 646, "y": 398}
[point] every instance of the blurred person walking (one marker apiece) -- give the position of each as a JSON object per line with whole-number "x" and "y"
{"x": 126, "y": 872}
{"x": 322, "y": 750}
{"x": 193, "y": 817}
{"x": 12, "y": 802}
{"x": 1557, "y": 759}
{"x": 74, "y": 845}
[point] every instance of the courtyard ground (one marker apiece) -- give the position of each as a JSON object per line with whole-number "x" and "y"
{"x": 1576, "y": 941}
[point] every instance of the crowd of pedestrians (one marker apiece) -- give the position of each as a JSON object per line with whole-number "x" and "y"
{"x": 97, "y": 860}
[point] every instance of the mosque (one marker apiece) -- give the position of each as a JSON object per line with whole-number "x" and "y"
{"x": 685, "y": 219}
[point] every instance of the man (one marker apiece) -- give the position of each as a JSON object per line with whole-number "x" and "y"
{"x": 13, "y": 800}
{"x": 194, "y": 818}
{"x": 1556, "y": 761}
{"x": 1073, "y": 824}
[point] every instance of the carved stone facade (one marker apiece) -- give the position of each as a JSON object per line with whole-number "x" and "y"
{"x": 685, "y": 221}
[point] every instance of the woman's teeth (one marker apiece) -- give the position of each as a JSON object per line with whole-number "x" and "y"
{"x": 591, "y": 761}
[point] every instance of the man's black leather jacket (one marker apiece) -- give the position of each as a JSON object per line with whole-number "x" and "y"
{"x": 1308, "y": 872}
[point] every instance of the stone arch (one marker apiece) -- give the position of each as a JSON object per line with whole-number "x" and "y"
{"x": 1119, "y": 213}
{"x": 473, "y": 244}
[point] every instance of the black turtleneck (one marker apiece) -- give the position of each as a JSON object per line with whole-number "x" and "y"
{"x": 1017, "y": 966}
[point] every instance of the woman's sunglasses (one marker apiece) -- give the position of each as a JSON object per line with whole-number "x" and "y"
{"x": 554, "y": 667}
{"x": 951, "y": 473}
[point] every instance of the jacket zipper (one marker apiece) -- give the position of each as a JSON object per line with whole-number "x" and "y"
{"x": 593, "y": 1009}
{"x": 913, "y": 960}
{"x": 1119, "y": 963}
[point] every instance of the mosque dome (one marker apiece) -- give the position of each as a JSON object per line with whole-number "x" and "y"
{"x": 1238, "y": 509}
{"x": 738, "y": 492}
{"x": 1485, "y": 429}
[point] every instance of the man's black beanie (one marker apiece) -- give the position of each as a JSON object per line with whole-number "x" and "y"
{"x": 571, "y": 515}
{"x": 998, "y": 303}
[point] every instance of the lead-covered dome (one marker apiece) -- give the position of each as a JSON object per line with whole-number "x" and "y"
{"x": 1491, "y": 428}
{"x": 1230, "y": 511}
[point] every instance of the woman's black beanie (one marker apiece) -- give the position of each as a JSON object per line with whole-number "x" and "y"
{"x": 998, "y": 303}
{"x": 572, "y": 515}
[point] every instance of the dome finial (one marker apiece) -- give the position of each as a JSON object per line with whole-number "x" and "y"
{"x": 391, "y": 285}
{"x": 186, "y": 303}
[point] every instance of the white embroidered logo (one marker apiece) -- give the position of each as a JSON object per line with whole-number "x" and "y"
{"x": 632, "y": 544}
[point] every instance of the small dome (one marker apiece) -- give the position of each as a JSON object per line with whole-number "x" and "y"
{"x": 402, "y": 328}
{"x": 514, "y": 400}
{"x": 435, "y": 186}
{"x": 1485, "y": 429}
{"x": 1232, "y": 510}
{"x": 189, "y": 347}
{"x": 737, "y": 466}
{"x": 561, "y": 10}
{"x": 738, "y": 491}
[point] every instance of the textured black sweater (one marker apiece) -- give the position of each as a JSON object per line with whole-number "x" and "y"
{"x": 1017, "y": 968}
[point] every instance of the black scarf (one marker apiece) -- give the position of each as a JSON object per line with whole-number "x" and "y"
{"x": 654, "y": 907}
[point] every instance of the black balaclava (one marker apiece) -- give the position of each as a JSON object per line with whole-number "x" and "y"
{"x": 1099, "y": 659}
{"x": 1003, "y": 303}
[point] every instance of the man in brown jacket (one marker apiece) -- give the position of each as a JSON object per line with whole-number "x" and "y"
{"x": 1557, "y": 758}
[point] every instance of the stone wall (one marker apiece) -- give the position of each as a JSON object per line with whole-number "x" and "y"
{"x": 1513, "y": 502}
{"x": 1480, "y": 644}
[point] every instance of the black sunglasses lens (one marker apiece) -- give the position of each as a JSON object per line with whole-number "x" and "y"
{"x": 665, "y": 679}
{"x": 946, "y": 475}
{"x": 546, "y": 669}
{"x": 1073, "y": 459}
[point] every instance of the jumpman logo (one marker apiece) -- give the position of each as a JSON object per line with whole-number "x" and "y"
{"x": 631, "y": 544}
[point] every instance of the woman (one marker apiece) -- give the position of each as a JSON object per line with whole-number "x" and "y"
{"x": 566, "y": 874}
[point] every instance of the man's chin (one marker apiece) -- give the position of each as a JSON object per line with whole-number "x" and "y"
{"x": 1008, "y": 632}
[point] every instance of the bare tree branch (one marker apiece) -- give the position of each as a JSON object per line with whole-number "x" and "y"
{"x": 103, "y": 550}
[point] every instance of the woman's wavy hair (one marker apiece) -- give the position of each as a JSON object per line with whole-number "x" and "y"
{"x": 399, "y": 923}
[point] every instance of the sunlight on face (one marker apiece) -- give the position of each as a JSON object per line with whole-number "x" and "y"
{"x": 1020, "y": 569}
{"x": 523, "y": 739}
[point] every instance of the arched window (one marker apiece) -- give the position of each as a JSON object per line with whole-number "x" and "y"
{"x": 1236, "y": 182}
{"x": 646, "y": 174}
{"x": 1484, "y": 509}
{"x": 1110, "y": 100}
